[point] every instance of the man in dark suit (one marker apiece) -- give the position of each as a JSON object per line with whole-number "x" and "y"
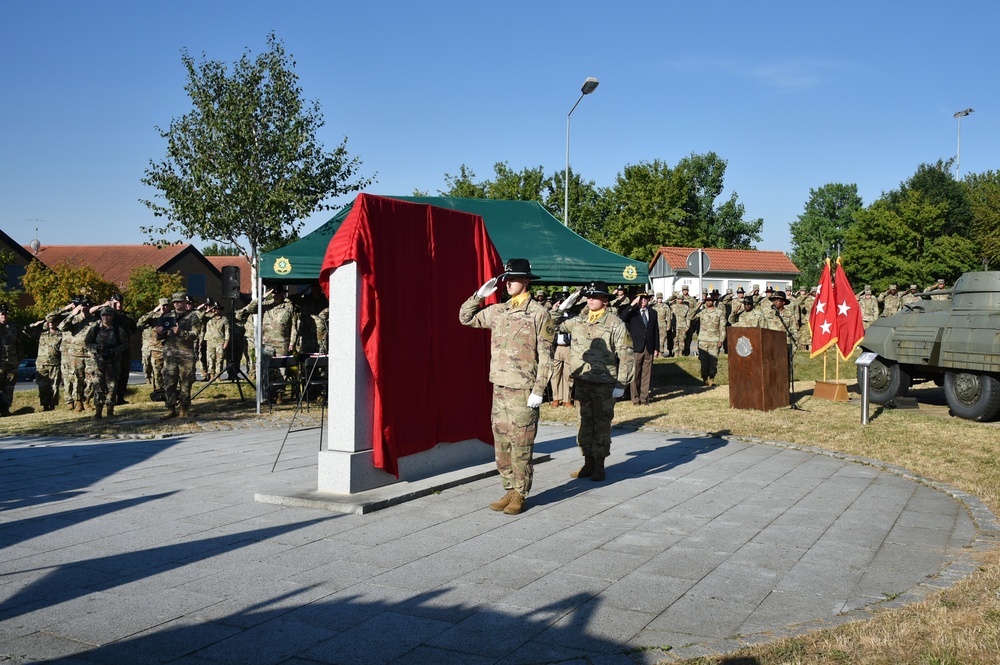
{"x": 644, "y": 329}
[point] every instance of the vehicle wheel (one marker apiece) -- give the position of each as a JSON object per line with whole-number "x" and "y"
{"x": 972, "y": 396}
{"x": 885, "y": 381}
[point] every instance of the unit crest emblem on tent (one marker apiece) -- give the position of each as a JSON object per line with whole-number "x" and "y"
{"x": 629, "y": 272}
{"x": 282, "y": 266}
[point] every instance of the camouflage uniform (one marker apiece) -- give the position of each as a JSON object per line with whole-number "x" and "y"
{"x": 601, "y": 359}
{"x": 939, "y": 286}
{"x": 891, "y": 301}
{"x": 148, "y": 323}
{"x": 179, "y": 360}
{"x": 680, "y": 307}
{"x": 278, "y": 331}
{"x": 520, "y": 344}
{"x": 105, "y": 345}
{"x": 869, "y": 307}
{"x": 664, "y": 317}
{"x": 47, "y": 365}
{"x": 322, "y": 320}
{"x": 778, "y": 320}
{"x": 740, "y": 318}
{"x": 711, "y": 334}
{"x": 76, "y": 360}
{"x": 911, "y": 296}
{"x": 10, "y": 356}
{"x": 804, "y": 310}
{"x": 216, "y": 341}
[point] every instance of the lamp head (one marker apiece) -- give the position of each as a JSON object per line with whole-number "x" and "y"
{"x": 589, "y": 85}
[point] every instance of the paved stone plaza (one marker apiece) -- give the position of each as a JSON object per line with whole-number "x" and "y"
{"x": 155, "y": 551}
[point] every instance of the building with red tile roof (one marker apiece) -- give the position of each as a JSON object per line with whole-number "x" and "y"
{"x": 728, "y": 269}
{"x": 116, "y": 262}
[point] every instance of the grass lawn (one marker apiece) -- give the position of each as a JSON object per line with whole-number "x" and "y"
{"x": 960, "y": 625}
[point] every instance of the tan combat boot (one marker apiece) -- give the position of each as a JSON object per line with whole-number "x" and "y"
{"x": 171, "y": 413}
{"x": 585, "y": 470}
{"x": 516, "y": 504}
{"x": 79, "y": 407}
{"x": 598, "y": 474}
{"x": 502, "y": 503}
{"x": 183, "y": 411}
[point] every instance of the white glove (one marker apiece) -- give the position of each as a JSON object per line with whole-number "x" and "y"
{"x": 487, "y": 289}
{"x": 534, "y": 401}
{"x": 617, "y": 392}
{"x": 569, "y": 302}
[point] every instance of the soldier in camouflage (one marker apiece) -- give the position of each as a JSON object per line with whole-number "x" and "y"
{"x": 911, "y": 296}
{"x": 746, "y": 315}
{"x": 939, "y": 286}
{"x": 216, "y": 340}
{"x": 179, "y": 333}
{"x": 10, "y": 356}
{"x": 148, "y": 322}
{"x": 781, "y": 318}
{"x": 601, "y": 363}
{"x": 105, "y": 343}
{"x": 891, "y": 301}
{"x": 711, "y": 335}
{"x": 122, "y": 318}
{"x": 680, "y": 306}
{"x": 47, "y": 364}
{"x": 521, "y": 335}
{"x": 805, "y": 310}
{"x": 77, "y": 361}
{"x": 279, "y": 330}
{"x": 869, "y": 306}
{"x": 664, "y": 318}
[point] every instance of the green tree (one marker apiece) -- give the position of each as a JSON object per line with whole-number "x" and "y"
{"x": 9, "y": 297}
{"x": 646, "y": 210}
{"x": 146, "y": 285}
{"x": 244, "y": 167}
{"x": 712, "y": 225}
{"x": 819, "y": 231}
{"x": 587, "y": 204}
{"x": 463, "y": 185}
{"x": 508, "y": 185}
{"x": 52, "y": 287}
{"x": 215, "y": 249}
{"x": 937, "y": 185}
{"x": 901, "y": 240}
{"x": 984, "y": 199}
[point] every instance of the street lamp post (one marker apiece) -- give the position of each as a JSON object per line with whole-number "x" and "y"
{"x": 958, "y": 155}
{"x": 588, "y": 87}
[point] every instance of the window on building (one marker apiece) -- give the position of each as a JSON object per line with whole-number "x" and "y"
{"x": 196, "y": 286}
{"x": 13, "y": 275}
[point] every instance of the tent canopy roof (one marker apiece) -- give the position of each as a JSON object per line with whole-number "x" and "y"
{"x": 519, "y": 229}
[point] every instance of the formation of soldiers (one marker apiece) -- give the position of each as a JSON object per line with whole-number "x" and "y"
{"x": 84, "y": 349}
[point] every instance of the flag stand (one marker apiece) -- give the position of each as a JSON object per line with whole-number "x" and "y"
{"x": 834, "y": 391}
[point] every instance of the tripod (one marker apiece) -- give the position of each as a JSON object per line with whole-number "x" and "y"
{"x": 233, "y": 369}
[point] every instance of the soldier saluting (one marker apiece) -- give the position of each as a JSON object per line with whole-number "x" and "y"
{"x": 521, "y": 339}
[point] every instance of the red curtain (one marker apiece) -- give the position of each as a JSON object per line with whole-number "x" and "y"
{"x": 418, "y": 264}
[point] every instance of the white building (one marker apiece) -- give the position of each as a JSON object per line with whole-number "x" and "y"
{"x": 727, "y": 269}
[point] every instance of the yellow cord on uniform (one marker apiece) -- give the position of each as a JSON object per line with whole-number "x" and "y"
{"x": 594, "y": 316}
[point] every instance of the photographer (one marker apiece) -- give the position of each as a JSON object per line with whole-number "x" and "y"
{"x": 105, "y": 343}
{"x": 179, "y": 333}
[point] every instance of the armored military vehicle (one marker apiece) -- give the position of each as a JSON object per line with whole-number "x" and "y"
{"x": 954, "y": 343}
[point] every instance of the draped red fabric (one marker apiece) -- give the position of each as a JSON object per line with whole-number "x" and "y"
{"x": 418, "y": 264}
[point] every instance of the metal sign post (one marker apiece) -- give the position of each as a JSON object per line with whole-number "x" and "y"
{"x": 864, "y": 362}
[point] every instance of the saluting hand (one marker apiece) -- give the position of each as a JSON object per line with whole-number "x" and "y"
{"x": 487, "y": 289}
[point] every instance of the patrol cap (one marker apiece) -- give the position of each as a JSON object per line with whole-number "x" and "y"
{"x": 756, "y": 287}
{"x": 892, "y": 287}
{"x": 913, "y": 286}
{"x": 179, "y": 296}
{"x": 518, "y": 268}
{"x": 940, "y": 281}
{"x": 595, "y": 289}
{"x": 684, "y": 288}
{"x": 164, "y": 301}
{"x": 868, "y": 289}
{"x": 659, "y": 294}
{"x": 107, "y": 311}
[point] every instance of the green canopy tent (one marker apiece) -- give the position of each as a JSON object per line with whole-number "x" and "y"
{"x": 519, "y": 229}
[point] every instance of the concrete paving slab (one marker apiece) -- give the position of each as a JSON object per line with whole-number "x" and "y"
{"x": 155, "y": 551}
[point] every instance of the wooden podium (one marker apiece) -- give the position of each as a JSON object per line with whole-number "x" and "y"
{"x": 758, "y": 369}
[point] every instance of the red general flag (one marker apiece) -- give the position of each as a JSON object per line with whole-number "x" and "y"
{"x": 823, "y": 317}
{"x": 850, "y": 329}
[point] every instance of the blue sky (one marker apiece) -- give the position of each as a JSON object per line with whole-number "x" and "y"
{"x": 794, "y": 95}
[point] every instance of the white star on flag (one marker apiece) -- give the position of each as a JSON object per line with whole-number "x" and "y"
{"x": 826, "y": 327}
{"x": 821, "y": 307}
{"x": 843, "y": 309}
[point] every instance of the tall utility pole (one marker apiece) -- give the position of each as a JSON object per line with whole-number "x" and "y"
{"x": 588, "y": 87}
{"x": 958, "y": 154}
